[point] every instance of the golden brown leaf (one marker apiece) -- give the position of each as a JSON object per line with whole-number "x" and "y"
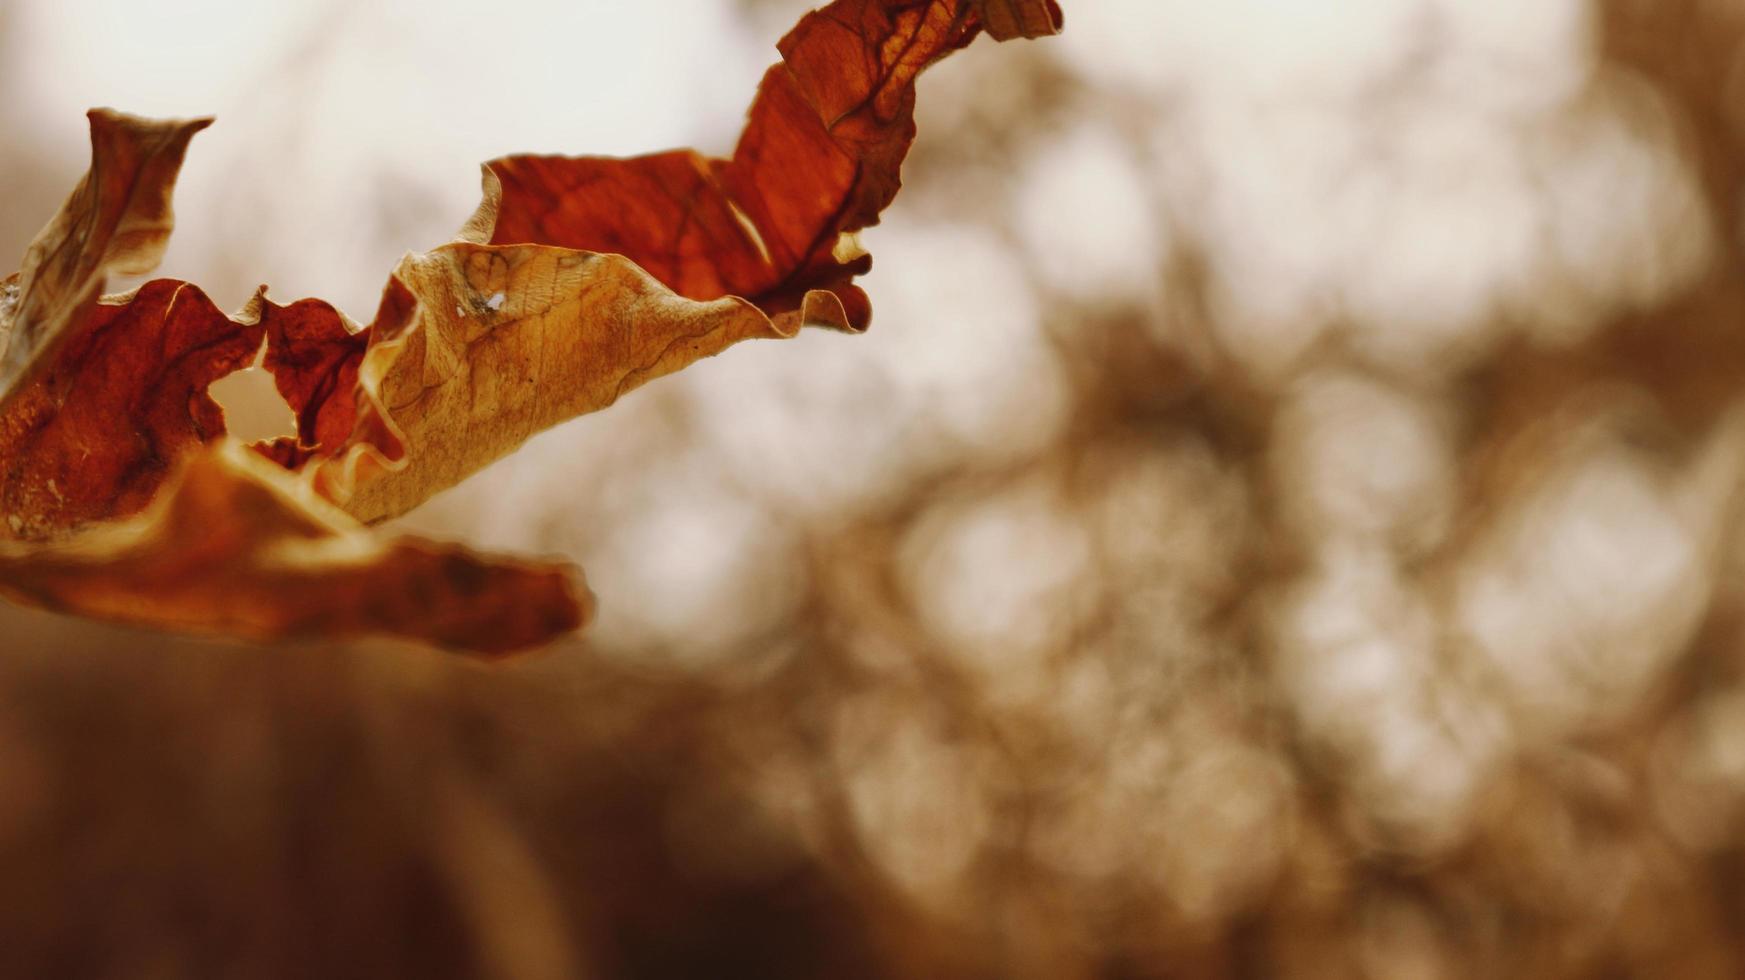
{"x": 235, "y": 545}
{"x": 479, "y": 347}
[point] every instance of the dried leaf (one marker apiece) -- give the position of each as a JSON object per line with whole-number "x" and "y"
{"x": 235, "y": 545}
{"x": 1008, "y": 19}
{"x": 529, "y": 320}
{"x": 92, "y": 434}
{"x": 115, "y": 402}
{"x": 473, "y": 350}
{"x": 818, "y": 161}
{"x": 118, "y": 219}
{"x": 97, "y": 400}
{"x": 479, "y": 347}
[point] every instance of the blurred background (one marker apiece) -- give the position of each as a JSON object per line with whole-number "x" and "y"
{"x": 1284, "y": 520}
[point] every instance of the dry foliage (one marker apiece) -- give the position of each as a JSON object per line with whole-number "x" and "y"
{"x": 577, "y": 280}
{"x": 1347, "y": 586}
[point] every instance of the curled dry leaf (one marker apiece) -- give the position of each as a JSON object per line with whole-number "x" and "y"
{"x": 109, "y": 417}
{"x": 577, "y": 280}
{"x": 236, "y": 545}
{"x": 94, "y": 430}
{"x": 818, "y": 160}
{"x": 537, "y": 335}
{"x": 1007, "y": 19}
{"x": 474, "y": 349}
{"x": 118, "y": 219}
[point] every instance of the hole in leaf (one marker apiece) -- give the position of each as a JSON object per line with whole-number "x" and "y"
{"x": 253, "y": 409}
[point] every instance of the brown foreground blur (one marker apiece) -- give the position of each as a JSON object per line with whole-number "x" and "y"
{"x": 1284, "y": 521}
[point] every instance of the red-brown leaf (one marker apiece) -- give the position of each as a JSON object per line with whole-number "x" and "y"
{"x": 117, "y": 219}
{"x": 819, "y": 160}
{"x": 235, "y": 545}
{"x": 476, "y": 346}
